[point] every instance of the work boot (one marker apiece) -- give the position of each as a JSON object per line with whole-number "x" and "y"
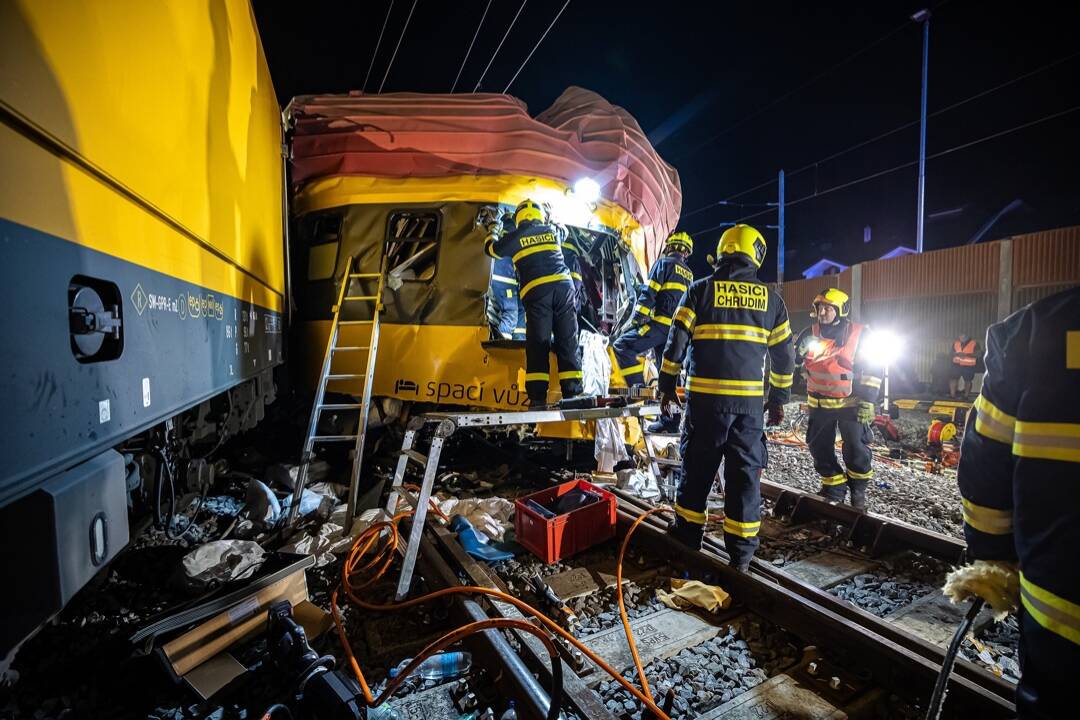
{"x": 687, "y": 533}
{"x": 664, "y": 425}
{"x": 834, "y": 493}
{"x": 858, "y": 493}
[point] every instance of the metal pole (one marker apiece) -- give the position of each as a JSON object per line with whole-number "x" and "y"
{"x": 780, "y": 244}
{"x": 924, "y": 17}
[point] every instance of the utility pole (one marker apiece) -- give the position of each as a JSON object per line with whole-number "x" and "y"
{"x": 780, "y": 244}
{"x": 922, "y": 16}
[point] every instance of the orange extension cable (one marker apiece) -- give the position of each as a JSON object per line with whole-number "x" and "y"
{"x": 358, "y": 574}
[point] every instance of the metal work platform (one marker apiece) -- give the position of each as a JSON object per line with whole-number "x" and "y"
{"x": 447, "y": 424}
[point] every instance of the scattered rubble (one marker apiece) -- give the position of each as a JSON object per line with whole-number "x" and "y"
{"x": 997, "y": 648}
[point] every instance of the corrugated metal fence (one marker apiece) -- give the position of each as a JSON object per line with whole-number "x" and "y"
{"x": 931, "y": 298}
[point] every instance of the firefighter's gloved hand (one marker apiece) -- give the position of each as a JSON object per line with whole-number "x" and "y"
{"x": 669, "y": 404}
{"x": 866, "y": 412}
{"x": 995, "y": 581}
{"x": 775, "y": 412}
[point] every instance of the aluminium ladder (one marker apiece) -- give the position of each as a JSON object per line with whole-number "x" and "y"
{"x": 327, "y": 376}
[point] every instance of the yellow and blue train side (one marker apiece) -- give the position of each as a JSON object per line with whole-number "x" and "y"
{"x": 142, "y": 189}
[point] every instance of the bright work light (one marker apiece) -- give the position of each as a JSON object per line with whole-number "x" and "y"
{"x": 587, "y": 190}
{"x": 882, "y": 347}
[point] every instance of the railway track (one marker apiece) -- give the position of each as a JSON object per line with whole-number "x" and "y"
{"x": 789, "y": 640}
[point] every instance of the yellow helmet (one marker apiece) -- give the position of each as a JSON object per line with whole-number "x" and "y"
{"x": 837, "y": 298}
{"x": 680, "y": 241}
{"x": 742, "y": 239}
{"x": 528, "y": 210}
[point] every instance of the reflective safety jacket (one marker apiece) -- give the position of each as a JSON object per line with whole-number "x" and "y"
{"x": 836, "y": 375}
{"x": 726, "y": 323}
{"x": 1019, "y": 471}
{"x": 668, "y": 280}
{"x": 572, "y": 258}
{"x": 536, "y": 251}
{"x": 964, "y": 354}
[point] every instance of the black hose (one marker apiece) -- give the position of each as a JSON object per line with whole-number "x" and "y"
{"x": 268, "y": 714}
{"x": 555, "y": 692}
{"x": 937, "y": 699}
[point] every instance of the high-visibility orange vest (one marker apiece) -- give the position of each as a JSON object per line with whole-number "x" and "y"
{"x": 830, "y": 366}
{"x": 964, "y": 354}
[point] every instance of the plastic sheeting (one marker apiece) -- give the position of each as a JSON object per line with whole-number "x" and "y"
{"x": 608, "y": 448}
{"x": 419, "y": 135}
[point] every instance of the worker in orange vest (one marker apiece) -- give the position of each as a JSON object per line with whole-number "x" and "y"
{"x": 965, "y": 359}
{"x": 842, "y": 386}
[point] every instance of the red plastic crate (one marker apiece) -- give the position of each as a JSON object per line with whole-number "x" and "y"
{"x": 564, "y": 535}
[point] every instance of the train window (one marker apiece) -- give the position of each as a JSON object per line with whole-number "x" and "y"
{"x": 322, "y": 235}
{"x": 321, "y": 261}
{"x": 412, "y": 241}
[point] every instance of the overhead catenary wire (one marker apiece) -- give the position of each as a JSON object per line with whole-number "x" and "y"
{"x": 497, "y": 49}
{"x": 910, "y": 163}
{"x": 471, "y": 44}
{"x": 396, "y": 47}
{"x": 523, "y": 64}
{"x": 378, "y": 43}
{"x": 747, "y": 118}
{"x": 863, "y": 143}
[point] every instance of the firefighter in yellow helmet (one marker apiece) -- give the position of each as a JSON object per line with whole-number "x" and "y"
{"x": 651, "y": 319}
{"x": 547, "y": 294}
{"x": 842, "y": 386}
{"x": 726, "y": 324}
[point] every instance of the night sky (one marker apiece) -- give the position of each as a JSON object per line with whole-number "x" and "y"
{"x": 712, "y": 85}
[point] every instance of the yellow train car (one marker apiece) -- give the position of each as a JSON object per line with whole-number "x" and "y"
{"x": 144, "y": 271}
{"x": 408, "y": 179}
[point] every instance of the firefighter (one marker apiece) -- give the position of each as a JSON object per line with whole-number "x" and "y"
{"x": 508, "y": 312}
{"x": 841, "y": 387}
{"x": 727, "y": 323}
{"x": 965, "y": 358}
{"x": 572, "y": 258}
{"x": 1019, "y": 463}
{"x": 547, "y": 293}
{"x": 651, "y": 319}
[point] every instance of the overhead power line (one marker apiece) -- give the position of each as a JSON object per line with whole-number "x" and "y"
{"x": 556, "y": 19}
{"x": 911, "y": 163}
{"x": 899, "y": 128}
{"x": 396, "y": 47}
{"x": 469, "y": 51}
{"x": 375, "y": 53}
{"x": 747, "y": 118}
{"x": 505, "y": 35}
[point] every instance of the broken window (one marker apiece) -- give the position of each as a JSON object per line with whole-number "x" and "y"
{"x": 322, "y": 234}
{"x": 412, "y": 241}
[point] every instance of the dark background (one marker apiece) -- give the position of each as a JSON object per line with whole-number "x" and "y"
{"x": 712, "y": 85}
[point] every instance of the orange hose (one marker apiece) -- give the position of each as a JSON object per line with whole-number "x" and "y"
{"x": 381, "y": 560}
{"x": 622, "y": 604}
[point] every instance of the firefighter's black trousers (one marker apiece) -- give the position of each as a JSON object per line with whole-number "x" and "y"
{"x": 1048, "y": 662}
{"x": 634, "y": 343}
{"x": 709, "y": 436}
{"x": 855, "y": 448}
{"x": 549, "y": 311}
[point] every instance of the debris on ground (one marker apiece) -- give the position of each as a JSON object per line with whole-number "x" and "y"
{"x": 997, "y": 648}
{"x": 923, "y": 499}
{"x": 685, "y": 594}
{"x": 223, "y": 561}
